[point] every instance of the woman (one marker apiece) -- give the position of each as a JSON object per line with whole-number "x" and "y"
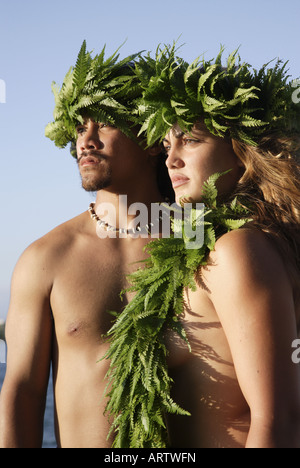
{"x": 239, "y": 383}
{"x": 237, "y": 380}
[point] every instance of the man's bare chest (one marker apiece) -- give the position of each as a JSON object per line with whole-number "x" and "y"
{"x": 87, "y": 289}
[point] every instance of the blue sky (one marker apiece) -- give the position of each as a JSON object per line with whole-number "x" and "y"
{"x": 40, "y": 39}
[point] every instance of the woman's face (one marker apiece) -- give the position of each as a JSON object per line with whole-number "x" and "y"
{"x": 194, "y": 157}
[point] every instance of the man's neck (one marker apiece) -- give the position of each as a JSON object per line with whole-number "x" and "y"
{"x": 118, "y": 210}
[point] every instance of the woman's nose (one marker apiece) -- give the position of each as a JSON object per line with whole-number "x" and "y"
{"x": 174, "y": 160}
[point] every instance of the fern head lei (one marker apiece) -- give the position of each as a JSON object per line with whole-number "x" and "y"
{"x": 233, "y": 100}
{"x": 104, "y": 89}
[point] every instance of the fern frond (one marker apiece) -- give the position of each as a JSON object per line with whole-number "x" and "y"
{"x": 139, "y": 384}
{"x": 81, "y": 68}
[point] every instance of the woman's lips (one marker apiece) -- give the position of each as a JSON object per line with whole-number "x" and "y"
{"x": 179, "y": 180}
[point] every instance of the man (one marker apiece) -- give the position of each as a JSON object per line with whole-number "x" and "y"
{"x": 65, "y": 284}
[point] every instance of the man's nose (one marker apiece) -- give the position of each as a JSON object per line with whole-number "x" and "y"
{"x": 90, "y": 139}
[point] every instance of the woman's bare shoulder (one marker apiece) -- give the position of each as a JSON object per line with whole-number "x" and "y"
{"x": 247, "y": 256}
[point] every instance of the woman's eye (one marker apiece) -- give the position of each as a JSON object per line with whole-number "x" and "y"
{"x": 190, "y": 141}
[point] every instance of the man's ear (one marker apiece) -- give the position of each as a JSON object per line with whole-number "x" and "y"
{"x": 153, "y": 153}
{"x": 154, "y": 150}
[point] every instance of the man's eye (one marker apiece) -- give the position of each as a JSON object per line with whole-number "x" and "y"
{"x": 80, "y": 130}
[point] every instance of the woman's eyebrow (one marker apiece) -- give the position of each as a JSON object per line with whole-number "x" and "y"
{"x": 178, "y": 134}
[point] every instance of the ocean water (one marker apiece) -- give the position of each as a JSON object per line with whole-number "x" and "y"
{"x": 49, "y": 438}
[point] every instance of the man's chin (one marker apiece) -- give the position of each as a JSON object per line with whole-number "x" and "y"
{"x": 94, "y": 185}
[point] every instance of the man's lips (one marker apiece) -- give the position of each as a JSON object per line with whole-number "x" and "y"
{"x": 178, "y": 180}
{"x": 90, "y": 160}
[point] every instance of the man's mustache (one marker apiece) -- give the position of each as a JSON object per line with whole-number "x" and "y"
{"x": 93, "y": 153}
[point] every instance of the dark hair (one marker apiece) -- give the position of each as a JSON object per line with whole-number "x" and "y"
{"x": 163, "y": 179}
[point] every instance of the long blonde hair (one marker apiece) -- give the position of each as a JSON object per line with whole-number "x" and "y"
{"x": 270, "y": 185}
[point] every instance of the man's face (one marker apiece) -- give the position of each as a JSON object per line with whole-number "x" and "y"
{"x": 193, "y": 158}
{"x": 107, "y": 158}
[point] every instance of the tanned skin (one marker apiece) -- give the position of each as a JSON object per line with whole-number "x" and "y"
{"x": 239, "y": 381}
{"x": 63, "y": 288}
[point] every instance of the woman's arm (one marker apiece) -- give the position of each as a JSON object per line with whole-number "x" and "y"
{"x": 253, "y": 297}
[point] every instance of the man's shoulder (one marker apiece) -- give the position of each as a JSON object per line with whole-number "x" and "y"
{"x": 57, "y": 241}
{"x": 67, "y": 231}
{"x": 36, "y": 268}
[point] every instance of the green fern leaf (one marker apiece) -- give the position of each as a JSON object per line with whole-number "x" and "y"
{"x": 82, "y": 67}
